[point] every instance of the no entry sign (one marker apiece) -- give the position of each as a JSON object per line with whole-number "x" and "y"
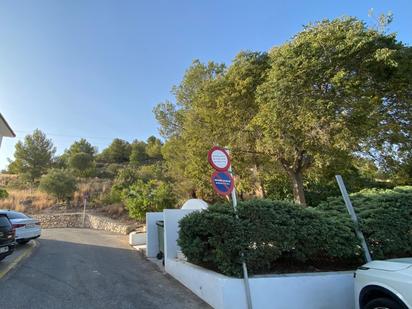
{"x": 222, "y": 182}
{"x": 218, "y": 158}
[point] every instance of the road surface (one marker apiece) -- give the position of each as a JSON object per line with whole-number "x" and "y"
{"x": 81, "y": 268}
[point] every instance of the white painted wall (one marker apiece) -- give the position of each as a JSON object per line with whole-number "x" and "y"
{"x": 204, "y": 283}
{"x": 291, "y": 291}
{"x": 152, "y": 241}
{"x": 171, "y": 219}
{"x": 137, "y": 238}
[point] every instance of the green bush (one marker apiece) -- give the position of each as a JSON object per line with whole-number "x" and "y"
{"x": 3, "y": 193}
{"x": 58, "y": 183}
{"x": 267, "y": 232}
{"x": 385, "y": 218}
{"x": 142, "y": 197}
{"x": 82, "y": 164}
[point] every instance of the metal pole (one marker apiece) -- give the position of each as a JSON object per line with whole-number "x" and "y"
{"x": 244, "y": 267}
{"x": 352, "y": 213}
{"x": 84, "y": 210}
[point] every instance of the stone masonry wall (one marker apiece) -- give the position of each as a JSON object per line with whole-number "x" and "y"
{"x": 75, "y": 220}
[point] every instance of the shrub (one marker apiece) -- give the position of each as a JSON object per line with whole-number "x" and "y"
{"x": 267, "y": 232}
{"x": 82, "y": 164}
{"x": 385, "y": 217}
{"x": 3, "y": 194}
{"x": 58, "y": 183}
{"x": 143, "y": 197}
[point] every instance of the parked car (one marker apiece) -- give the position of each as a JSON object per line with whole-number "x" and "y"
{"x": 26, "y": 227}
{"x": 384, "y": 285}
{"x": 7, "y": 241}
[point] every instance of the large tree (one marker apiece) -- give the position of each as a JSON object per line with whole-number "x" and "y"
{"x": 82, "y": 145}
{"x": 336, "y": 88}
{"x": 117, "y": 152}
{"x": 79, "y": 157}
{"x": 33, "y": 156}
{"x": 214, "y": 106}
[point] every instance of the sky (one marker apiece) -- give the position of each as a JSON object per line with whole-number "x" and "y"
{"x": 96, "y": 68}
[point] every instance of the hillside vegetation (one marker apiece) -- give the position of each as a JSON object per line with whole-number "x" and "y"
{"x": 334, "y": 99}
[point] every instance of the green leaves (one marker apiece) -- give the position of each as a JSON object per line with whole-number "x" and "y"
{"x": 82, "y": 164}
{"x": 385, "y": 218}
{"x": 142, "y": 197}
{"x": 272, "y": 232}
{"x": 325, "y": 91}
{"x": 267, "y": 232}
{"x": 59, "y": 183}
{"x": 33, "y": 156}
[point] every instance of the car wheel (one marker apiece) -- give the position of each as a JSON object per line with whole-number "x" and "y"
{"x": 22, "y": 241}
{"x": 383, "y": 303}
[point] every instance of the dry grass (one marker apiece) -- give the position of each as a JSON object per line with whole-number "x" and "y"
{"x": 115, "y": 210}
{"x": 34, "y": 201}
{"x": 96, "y": 188}
{"x": 6, "y": 179}
{"x": 27, "y": 200}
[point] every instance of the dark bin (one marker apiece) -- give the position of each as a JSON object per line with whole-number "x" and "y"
{"x": 160, "y": 235}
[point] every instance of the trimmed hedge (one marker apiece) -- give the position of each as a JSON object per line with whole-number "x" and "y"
{"x": 268, "y": 232}
{"x": 278, "y": 236}
{"x": 385, "y": 217}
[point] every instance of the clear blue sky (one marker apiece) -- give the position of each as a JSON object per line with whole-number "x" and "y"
{"x": 96, "y": 68}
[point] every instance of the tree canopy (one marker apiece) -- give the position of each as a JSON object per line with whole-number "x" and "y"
{"x": 334, "y": 99}
{"x": 117, "y": 152}
{"x": 338, "y": 87}
{"x": 33, "y": 156}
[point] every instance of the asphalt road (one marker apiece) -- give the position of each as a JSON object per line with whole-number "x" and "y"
{"x": 81, "y": 268}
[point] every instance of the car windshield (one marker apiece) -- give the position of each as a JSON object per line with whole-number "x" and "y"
{"x": 4, "y": 222}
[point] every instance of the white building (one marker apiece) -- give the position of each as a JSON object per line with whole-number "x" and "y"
{"x": 5, "y": 129}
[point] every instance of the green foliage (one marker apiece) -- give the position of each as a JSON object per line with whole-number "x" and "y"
{"x": 125, "y": 178}
{"x": 214, "y": 105}
{"x": 3, "y": 193}
{"x": 82, "y": 164}
{"x": 149, "y": 152}
{"x": 138, "y": 155}
{"x": 330, "y": 92}
{"x": 267, "y": 232}
{"x": 58, "y": 183}
{"x": 117, "y": 152}
{"x": 335, "y": 94}
{"x": 385, "y": 218}
{"x": 82, "y": 146}
{"x": 154, "y": 148}
{"x": 33, "y": 156}
{"x": 149, "y": 196}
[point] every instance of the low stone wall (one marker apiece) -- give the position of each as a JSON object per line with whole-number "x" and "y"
{"x": 59, "y": 220}
{"x": 75, "y": 220}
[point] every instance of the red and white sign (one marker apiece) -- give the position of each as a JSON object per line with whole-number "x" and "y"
{"x": 219, "y": 159}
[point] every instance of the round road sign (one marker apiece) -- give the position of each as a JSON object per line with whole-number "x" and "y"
{"x": 218, "y": 158}
{"x": 222, "y": 182}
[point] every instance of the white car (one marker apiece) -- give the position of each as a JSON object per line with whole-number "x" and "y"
{"x": 26, "y": 227}
{"x": 384, "y": 285}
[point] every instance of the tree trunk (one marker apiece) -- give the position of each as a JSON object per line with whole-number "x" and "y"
{"x": 297, "y": 186}
{"x": 260, "y": 190}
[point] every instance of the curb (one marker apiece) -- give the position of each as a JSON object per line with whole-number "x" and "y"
{"x": 23, "y": 256}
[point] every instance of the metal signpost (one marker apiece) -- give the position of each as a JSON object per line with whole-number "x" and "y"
{"x": 223, "y": 183}
{"x": 85, "y": 198}
{"x": 352, "y": 213}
